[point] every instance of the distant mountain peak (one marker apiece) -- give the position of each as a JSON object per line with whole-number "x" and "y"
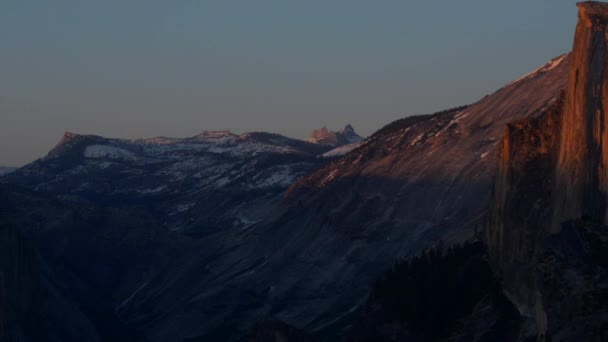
{"x": 324, "y": 136}
{"x": 66, "y": 139}
{"x": 67, "y": 136}
{"x": 348, "y": 129}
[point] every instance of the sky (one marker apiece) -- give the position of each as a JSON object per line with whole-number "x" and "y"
{"x": 134, "y": 69}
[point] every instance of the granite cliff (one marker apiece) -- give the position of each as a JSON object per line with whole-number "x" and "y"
{"x": 582, "y": 168}
{"x": 552, "y": 170}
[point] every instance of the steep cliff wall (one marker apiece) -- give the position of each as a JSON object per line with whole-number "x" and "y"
{"x": 552, "y": 169}
{"x": 521, "y": 207}
{"x": 582, "y": 169}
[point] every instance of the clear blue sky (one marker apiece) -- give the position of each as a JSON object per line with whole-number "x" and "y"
{"x": 134, "y": 69}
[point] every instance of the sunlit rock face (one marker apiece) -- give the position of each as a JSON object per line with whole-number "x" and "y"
{"x": 582, "y": 170}
{"x": 550, "y": 170}
{"x": 345, "y": 136}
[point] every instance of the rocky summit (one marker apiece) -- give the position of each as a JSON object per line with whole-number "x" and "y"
{"x": 345, "y": 136}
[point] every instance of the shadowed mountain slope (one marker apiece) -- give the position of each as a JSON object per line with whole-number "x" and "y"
{"x": 196, "y": 185}
{"x": 198, "y": 239}
{"x": 310, "y": 263}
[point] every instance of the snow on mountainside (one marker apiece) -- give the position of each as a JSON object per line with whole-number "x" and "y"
{"x": 416, "y": 181}
{"x": 307, "y": 260}
{"x": 552, "y": 64}
{"x": 182, "y": 178}
{"x": 109, "y": 152}
{"x": 340, "y": 151}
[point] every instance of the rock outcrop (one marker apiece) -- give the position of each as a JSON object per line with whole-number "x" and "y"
{"x": 582, "y": 169}
{"x": 552, "y": 169}
{"x": 521, "y": 204}
{"x": 345, "y": 136}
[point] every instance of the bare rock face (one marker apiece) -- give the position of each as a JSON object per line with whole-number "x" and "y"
{"x": 324, "y": 136}
{"x": 520, "y": 209}
{"x": 550, "y": 170}
{"x": 582, "y": 169}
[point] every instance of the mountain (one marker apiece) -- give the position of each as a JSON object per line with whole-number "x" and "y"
{"x": 345, "y": 136}
{"x": 4, "y": 170}
{"x": 110, "y": 215}
{"x": 582, "y": 170}
{"x": 543, "y": 272}
{"x": 212, "y": 237}
{"x": 549, "y": 204}
{"x": 253, "y": 252}
{"x": 310, "y": 262}
{"x": 197, "y": 185}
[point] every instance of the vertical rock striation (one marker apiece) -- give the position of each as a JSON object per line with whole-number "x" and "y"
{"x": 582, "y": 169}
{"x": 521, "y": 204}
{"x": 553, "y": 169}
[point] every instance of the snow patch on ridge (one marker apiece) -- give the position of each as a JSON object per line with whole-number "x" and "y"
{"x": 282, "y": 176}
{"x": 340, "y": 151}
{"x": 111, "y": 152}
{"x": 552, "y": 64}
